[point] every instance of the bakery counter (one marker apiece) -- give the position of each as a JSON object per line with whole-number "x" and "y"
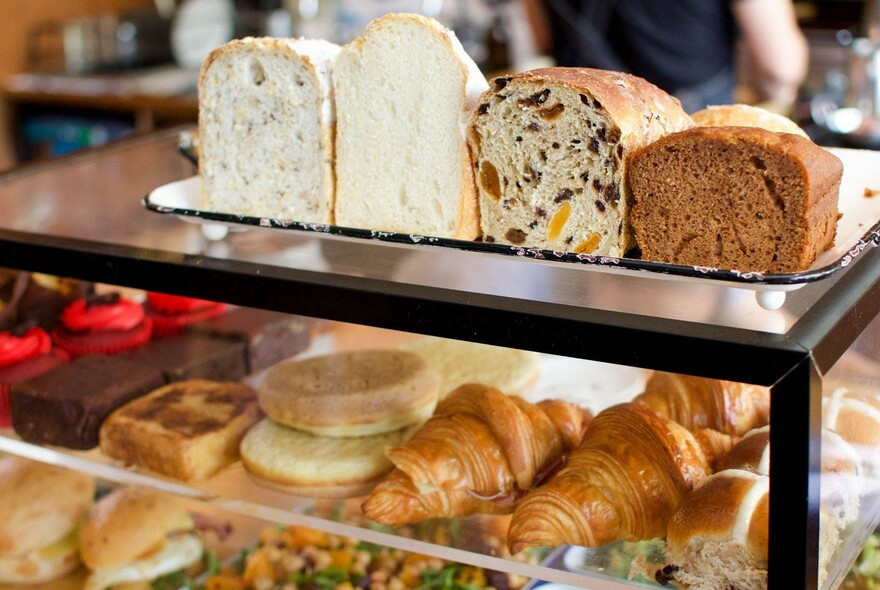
{"x": 477, "y": 540}
{"x": 83, "y": 217}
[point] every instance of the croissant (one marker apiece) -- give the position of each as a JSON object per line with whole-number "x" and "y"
{"x": 695, "y": 402}
{"x": 623, "y": 481}
{"x": 479, "y": 447}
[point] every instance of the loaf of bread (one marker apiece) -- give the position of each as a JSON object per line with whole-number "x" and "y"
{"x": 744, "y": 115}
{"x": 188, "y": 429}
{"x": 402, "y": 89}
{"x": 266, "y": 126}
{"x": 550, "y": 150}
{"x": 736, "y": 198}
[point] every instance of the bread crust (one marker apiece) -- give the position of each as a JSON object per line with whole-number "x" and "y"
{"x": 743, "y": 115}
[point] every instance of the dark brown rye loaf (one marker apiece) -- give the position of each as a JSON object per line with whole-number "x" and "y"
{"x": 736, "y": 198}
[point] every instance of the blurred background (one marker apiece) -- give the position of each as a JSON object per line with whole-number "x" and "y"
{"x": 79, "y": 73}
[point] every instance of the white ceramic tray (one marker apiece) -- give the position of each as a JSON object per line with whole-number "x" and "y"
{"x": 858, "y": 228}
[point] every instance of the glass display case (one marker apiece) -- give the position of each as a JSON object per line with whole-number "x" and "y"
{"x": 599, "y": 334}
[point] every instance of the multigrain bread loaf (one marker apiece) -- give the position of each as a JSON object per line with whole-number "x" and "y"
{"x": 266, "y": 127}
{"x": 550, "y": 150}
{"x": 402, "y": 90}
{"x": 744, "y": 115}
{"x": 735, "y": 197}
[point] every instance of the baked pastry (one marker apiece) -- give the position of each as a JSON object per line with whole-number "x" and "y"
{"x": 736, "y": 198}
{"x": 459, "y": 362}
{"x": 697, "y": 402}
{"x": 301, "y": 463}
{"x": 273, "y": 96}
{"x": 268, "y": 336}
{"x": 67, "y": 405}
{"x": 718, "y": 537}
{"x": 401, "y": 161}
{"x": 172, "y": 313}
{"x": 134, "y": 536}
{"x": 193, "y": 356}
{"x": 188, "y": 430}
{"x": 357, "y": 393}
{"x": 624, "y": 481}
{"x": 24, "y": 355}
{"x": 550, "y": 151}
{"x": 41, "y": 510}
{"x": 102, "y": 324}
{"x": 744, "y": 115}
{"x": 841, "y": 484}
{"x": 480, "y": 444}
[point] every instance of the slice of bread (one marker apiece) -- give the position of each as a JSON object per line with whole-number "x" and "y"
{"x": 297, "y": 462}
{"x": 266, "y": 127}
{"x": 735, "y": 198}
{"x": 188, "y": 430}
{"x": 550, "y": 150}
{"x": 402, "y": 91}
{"x": 457, "y": 362}
{"x": 744, "y": 115}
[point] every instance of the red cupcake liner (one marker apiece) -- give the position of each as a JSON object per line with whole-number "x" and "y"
{"x": 5, "y": 406}
{"x": 80, "y": 344}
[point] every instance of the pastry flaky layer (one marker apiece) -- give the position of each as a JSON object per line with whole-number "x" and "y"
{"x": 624, "y": 481}
{"x": 696, "y": 402}
{"x": 479, "y": 451}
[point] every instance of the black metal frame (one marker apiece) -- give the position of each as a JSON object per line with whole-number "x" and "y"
{"x": 791, "y": 363}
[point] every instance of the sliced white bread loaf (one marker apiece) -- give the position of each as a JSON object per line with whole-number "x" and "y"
{"x": 402, "y": 91}
{"x": 266, "y": 127}
{"x": 550, "y": 150}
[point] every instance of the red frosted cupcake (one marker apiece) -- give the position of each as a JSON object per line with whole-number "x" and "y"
{"x": 103, "y": 324}
{"x": 24, "y": 354}
{"x": 172, "y": 313}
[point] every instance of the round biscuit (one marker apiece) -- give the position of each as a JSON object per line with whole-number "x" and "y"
{"x": 355, "y": 393}
{"x": 300, "y": 462}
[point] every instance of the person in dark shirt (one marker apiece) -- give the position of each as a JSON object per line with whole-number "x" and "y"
{"x": 687, "y": 47}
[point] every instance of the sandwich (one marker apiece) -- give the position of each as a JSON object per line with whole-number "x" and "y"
{"x": 41, "y": 510}
{"x": 135, "y": 536}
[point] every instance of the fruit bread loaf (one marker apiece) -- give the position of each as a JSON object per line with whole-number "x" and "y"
{"x": 735, "y": 197}
{"x": 266, "y": 126}
{"x": 550, "y": 150}
{"x": 402, "y": 91}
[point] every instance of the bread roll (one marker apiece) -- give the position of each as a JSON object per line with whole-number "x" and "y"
{"x": 743, "y": 115}
{"x": 735, "y": 198}
{"x": 550, "y": 150}
{"x": 402, "y": 89}
{"x": 266, "y": 129}
{"x": 718, "y": 536}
